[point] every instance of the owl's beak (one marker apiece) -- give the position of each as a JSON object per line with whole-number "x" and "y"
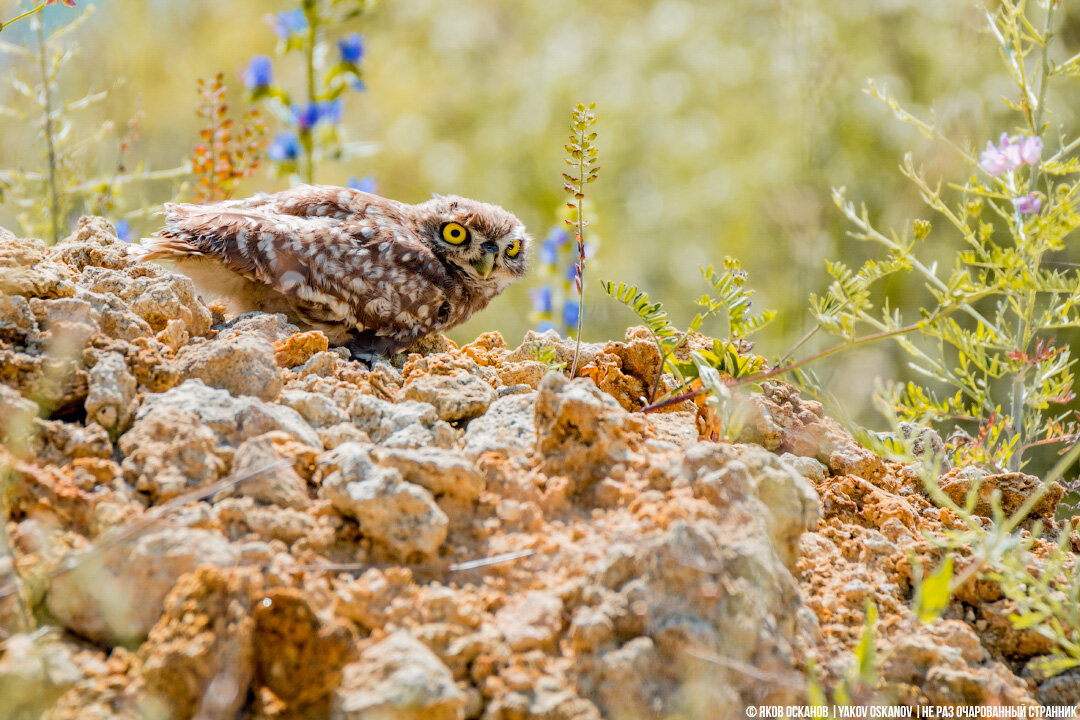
{"x": 486, "y": 262}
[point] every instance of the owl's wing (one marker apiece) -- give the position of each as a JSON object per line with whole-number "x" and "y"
{"x": 281, "y": 251}
{"x": 321, "y": 201}
{"x": 402, "y": 292}
{"x": 334, "y": 273}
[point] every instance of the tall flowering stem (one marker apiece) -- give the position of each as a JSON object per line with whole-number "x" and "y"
{"x": 226, "y": 154}
{"x": 313, "y": 115}
{"x": 582, "y": 159}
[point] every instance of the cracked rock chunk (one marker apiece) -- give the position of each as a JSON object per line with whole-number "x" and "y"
{"x": 233, "y": 419}
{"x": 110, "y": 401}
{"x": 582, "y": 431}
{"x": 398, "y": 678}
{"x": 243, "y": 365}
{"x": 456, "y": 397}
{"x": 116, "y": 596}
{"x": 400, "y": 515}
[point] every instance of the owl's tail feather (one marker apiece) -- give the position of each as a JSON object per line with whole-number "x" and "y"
{"x": 163, "y": 248}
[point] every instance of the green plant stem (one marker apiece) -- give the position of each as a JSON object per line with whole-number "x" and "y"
{"x": 1023, "y": 340}
{"x": 675, "y": 400}
{"x": 146, "y": 176}
{"x": 581, "y": 252}
{"x": 580, "y": 317}
{"x": 309, "y": 58}
{"x": 802, "y": 341}
{"x": 50, "y": 143}
{"x": 19, "y": 17}
{"x": 1044, "y": 80}
{"x": 780, "y": 370}
{"x": 827, "y": 352}
{"x": 1023, "y": 331}
{"x": 664, "y": 356}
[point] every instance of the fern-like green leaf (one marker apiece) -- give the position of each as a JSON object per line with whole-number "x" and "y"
{"x": 651, "y": 314}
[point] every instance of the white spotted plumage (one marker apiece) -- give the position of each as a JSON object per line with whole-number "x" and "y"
{"x": 372, "y": 273}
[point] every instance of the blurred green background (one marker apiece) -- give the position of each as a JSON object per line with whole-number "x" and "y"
{"x": 722, "y": 126}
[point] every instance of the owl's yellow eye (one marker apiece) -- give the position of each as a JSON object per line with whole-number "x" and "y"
{"x": 454, "y": 234}
{"x": 514, "y": 249}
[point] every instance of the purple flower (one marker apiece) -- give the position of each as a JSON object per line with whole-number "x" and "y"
{"x": 306, "y": 116}
{"x": 545, "y": 325}
{"x": 1031, "y": 148}
{"x": 284, "y": 148}
{"x": 541, "y": 298}
{"x": 1029, "y": 204}
{"x": 351, "y": 48}
{"x": 259, "y": 73}
{"x": 570, "y": 313}
{"x": 330, "y": 111}
{"x": 123, "y": 231}
{"x": 287, "y": 23}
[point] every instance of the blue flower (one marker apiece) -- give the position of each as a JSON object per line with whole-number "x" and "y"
{"x": 545, "y": 325}
{"x": 259, "y": 73}
{"x": 558, "y": 236}
{"x": 285, "y": 148}
{"x": 570, "y": 312}
{"x": 287, "y": 23}
{"x": 330, "y": 111}
{"x": 549, "y": 251}
{"x": 357, "y": 84}
{"x": 351, "y": 48}
{"x": 541, "y": 298}
{"x": 123, "y": 231}
{"x": 365, "y": 184}
{"x": 306, "y": 116}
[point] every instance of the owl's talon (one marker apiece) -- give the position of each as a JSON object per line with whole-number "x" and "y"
{"x": 363, "y": 353}
{"x": 369, "y": 359}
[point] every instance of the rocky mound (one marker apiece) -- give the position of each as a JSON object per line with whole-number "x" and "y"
{"x": 227, "y": 518}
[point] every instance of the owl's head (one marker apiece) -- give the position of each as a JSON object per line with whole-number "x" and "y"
{"x": 487, "y": 243}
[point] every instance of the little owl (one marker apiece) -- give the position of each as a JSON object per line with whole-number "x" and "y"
{"x": 373, "y": 274}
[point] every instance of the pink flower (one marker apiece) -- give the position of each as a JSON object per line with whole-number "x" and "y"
{"x": 993, "y": 160}
{"x": 69, "y": 3}
{"x": 1031, "y": 148}
{"x": 1029, "y": 204}
{"x": 1011, "y": 151}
